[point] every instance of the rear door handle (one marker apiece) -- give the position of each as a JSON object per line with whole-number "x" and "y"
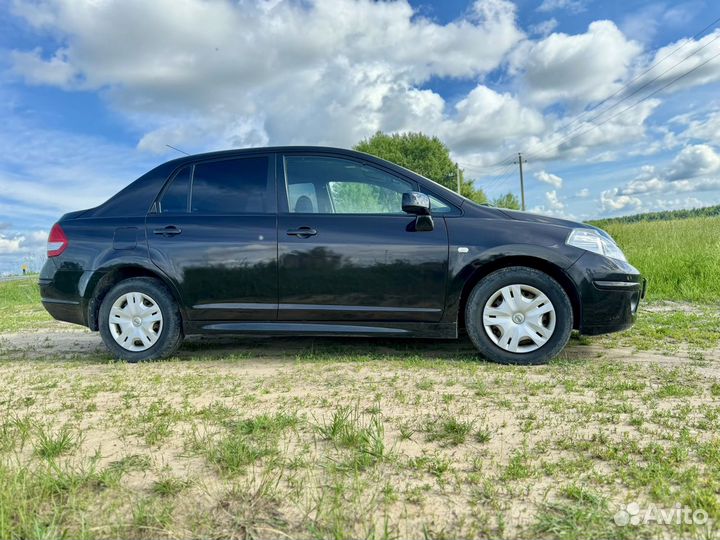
{"x": 170, "y": 230}
{"x": 302, "y": 232}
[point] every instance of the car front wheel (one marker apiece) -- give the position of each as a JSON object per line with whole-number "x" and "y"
{"x": 519, "y": 315}
{"x": 140, "y": 320}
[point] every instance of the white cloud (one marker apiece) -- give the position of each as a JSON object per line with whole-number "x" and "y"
{"x": 334, "y": 72}
{"x": 549, "y": 178}
{"x": 644, "y": 186}
{"x": 354, "y": 66}
{"x": 577, "y": 139}
{"x": 702, "y": 184}
{"x": 673, "y": 204}
{"x": 692, "y": 169}
{"x": 584, "y": 67}
{"x": 643, "y": 24}
{"x": 573, "y": 6}
{"x": 699, "y": 59}
{"x": 611, "y": 200}
{"x": 693, "y": 161}
{"x": 553, "y": 201}
{"x": 553, "y": 206}
{"x": 17, "y": 249}
{"x": 45, "y": 172}
{"x": 543, "y": 28}
{"x": 55, "y": 71}
{"x": 10, "y": 245}
{"x": 485, "y": 107}
{"x": 702, "y": 127}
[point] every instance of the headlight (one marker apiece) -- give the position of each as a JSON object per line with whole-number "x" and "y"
{"x": 592, "y": 240}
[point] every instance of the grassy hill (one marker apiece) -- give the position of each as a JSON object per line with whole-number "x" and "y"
{"x": 680, "y": 257}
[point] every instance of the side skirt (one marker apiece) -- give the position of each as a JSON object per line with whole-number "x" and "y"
{"x": 344, "y": 328}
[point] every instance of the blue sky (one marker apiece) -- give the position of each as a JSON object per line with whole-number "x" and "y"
{"x": 92, "y": 91}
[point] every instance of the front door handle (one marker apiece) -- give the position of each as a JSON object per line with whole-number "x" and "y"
{"x": 170, "y": 230}
{"x": 302, "y": 232}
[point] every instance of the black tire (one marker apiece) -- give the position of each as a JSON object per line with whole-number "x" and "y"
{"x": 170, "y": 336}
{"x": 491, "y": 284}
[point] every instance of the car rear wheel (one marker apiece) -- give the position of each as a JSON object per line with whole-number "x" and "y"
{"x": 140, "y": 320}
{"x": 519, "y": 315}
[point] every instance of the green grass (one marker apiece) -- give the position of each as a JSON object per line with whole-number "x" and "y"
{"x": 246, "y": 442}
{"x": 680, "y": 258}
{"x": 581, "y": 513}
{"x": 50, "y": 445}
{"x": 342, "y": 449}
{"x": 668, "y": 330}
{"x": 448, "y": 430}
{"x": 359, "y": 437}
{"x": 20, "y": 306}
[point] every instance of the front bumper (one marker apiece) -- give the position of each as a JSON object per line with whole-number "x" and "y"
{"x": 610, "y": 293}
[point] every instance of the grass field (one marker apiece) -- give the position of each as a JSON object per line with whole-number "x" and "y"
{"x": 680, "y": 258}
{"x": 331, "y": 438}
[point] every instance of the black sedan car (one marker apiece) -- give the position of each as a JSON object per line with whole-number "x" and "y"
{"x": 326, "y": 241}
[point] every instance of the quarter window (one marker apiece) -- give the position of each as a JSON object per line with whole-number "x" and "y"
{"x": 319, "y": 184}
{"x": 175, "y": 197}
{"x": 232, "y": 186}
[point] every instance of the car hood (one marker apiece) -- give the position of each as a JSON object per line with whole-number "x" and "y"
{"x": 537, "y": 218}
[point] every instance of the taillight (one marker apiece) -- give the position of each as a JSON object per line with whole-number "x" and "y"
{"x": 57, "y": 241}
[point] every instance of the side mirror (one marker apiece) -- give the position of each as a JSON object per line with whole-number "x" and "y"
{"x": 414, "y": 202}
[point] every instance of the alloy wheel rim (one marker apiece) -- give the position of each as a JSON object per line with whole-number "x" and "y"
{"x": 519, "y": 318}
{"x": 135, "y": 321}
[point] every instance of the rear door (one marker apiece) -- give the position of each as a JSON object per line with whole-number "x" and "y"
{"x": 213, "y": 231}
{"x": 346, "y": 249}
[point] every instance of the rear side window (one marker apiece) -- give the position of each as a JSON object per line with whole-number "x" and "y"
{"x": 232, "y": 186}
{"x": 175, "y": 197}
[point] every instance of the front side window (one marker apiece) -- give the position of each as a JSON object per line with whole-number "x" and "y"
{"x": 318, "y": 184}
{"x": 175, "y": 197}
{"x": 232, "y": 186}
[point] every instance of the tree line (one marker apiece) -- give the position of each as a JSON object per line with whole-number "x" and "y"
{"x": 664, "y": 215}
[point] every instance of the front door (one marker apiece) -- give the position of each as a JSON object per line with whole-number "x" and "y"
{"x": 214, "y": 233}
{"x": 346, "y": 250}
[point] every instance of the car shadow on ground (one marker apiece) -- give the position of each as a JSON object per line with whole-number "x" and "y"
{"x": 87, "y": 347}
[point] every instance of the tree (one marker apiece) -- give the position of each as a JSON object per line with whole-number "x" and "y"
{"x": 427, "y": 156}
{"x": 509, "y": 200}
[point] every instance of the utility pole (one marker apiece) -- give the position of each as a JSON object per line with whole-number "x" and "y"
{"x": 457, "y": 174}
{"x": 520, "y": 162}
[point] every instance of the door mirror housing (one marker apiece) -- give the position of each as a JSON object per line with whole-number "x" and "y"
{"x": 418, "y": 204}
{"x": 414, "y": 202}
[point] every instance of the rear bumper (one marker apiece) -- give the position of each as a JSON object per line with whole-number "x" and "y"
{"x": 610, "y": 294}
{"x": 59, "y": 294}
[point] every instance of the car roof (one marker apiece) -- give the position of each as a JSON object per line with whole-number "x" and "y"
{"x": 275, "y": 149}
{"x": 147, "y": 186}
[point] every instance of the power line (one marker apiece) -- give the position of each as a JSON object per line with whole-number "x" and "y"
{"x": 643, "y": 86}
{"x": 487, "y": 167}
{"x": 508, "y": 161}
{"x": 648, "y": 70}
{"x": 492, "y": 184}
{"x": 651, "y": 94}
